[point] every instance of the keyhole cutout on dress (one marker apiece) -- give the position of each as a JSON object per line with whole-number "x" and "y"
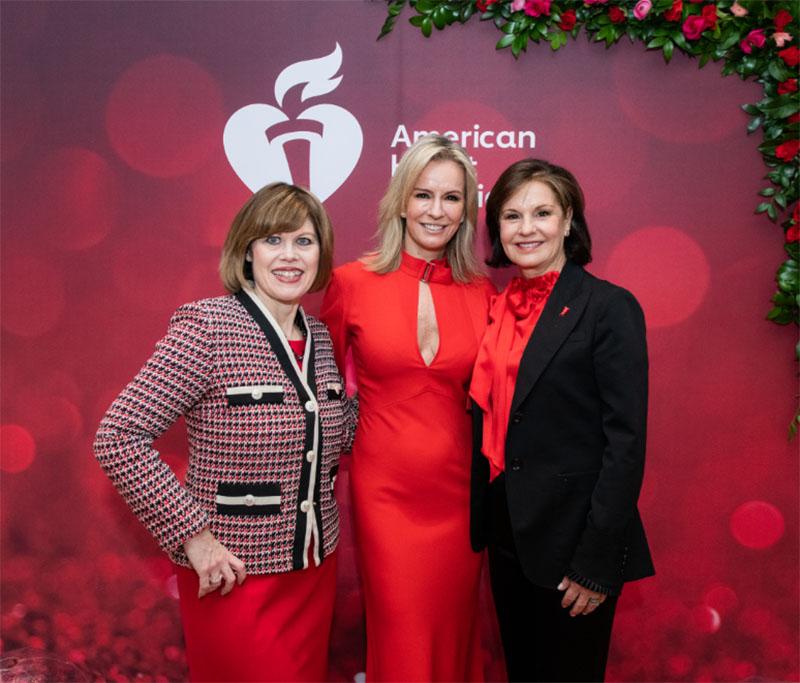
{"x": 427, "y": 327}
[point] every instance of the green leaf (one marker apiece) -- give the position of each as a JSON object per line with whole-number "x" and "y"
{"x": 762, "y": 207}
{"x": 425, "y": 6}
{"x": 782, "y": 107}
{"x": 777, "y": 69}
{"x": 704, "y": 60}
{"x": 426, "y": 27}
{"x": 753, "y": 125}
{"x": 772, "y": 212}
{"x": 767, "y": 192}
{"x": 780, "y": 200}
{"x": 669, "y": 46}
{"x": 657, "y": 42}
{"x": 751, "y": 109}
{"x": 439, "y": 20}
{"x": 505, "y": 41}
{"x": 520, "y": 43}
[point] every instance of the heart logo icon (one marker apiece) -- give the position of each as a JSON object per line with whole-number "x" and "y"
{"x": 259, "y": 158}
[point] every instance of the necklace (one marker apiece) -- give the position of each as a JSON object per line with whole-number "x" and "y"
{"x": 298, "y": 346}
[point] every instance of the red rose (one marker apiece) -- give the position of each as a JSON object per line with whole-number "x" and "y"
{"x": 674, "y": 14}
{"x": 567, "y": 22}
{"x": 794, "y": 118}
{"x": 788, "y": 150}
{"x": 782, "y": 18}
{"x": 483, "y": 5}
{"x": 616, "y": 14}
{"x": 788, "y": 86}
{"x": 793, "y": 233}
{"x": 796, "y": 213}
{"x": 694, "y": 26}
{"x": 791, "y": 55}
{"x": 710, "y": 15}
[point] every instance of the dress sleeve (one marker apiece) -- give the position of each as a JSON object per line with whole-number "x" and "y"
{"x": 621, "y": 372}
{"x": 334, "y": 314}
{"x": 170, "y": 383}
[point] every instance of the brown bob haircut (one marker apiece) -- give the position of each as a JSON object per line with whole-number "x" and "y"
{"x": 275, "y": 208}
{"x": 577, "y": 245}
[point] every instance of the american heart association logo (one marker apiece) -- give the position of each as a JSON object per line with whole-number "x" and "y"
{"x": 259, "y": 158}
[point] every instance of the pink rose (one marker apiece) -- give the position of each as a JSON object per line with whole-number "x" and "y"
{"x": 642, "y": 8}
{"x": 536, "y": 8}
{"x": 781, "y": 37}
{"x": 517, "y": 5}
{"x": 754, "y": 39}
{"x": 694, "y": 25}
{"x": 737, "y": 10}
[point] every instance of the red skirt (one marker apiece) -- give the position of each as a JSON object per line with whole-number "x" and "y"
{"x": 274, "y": 627}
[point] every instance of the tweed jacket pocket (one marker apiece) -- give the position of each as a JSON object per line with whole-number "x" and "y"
{"x": 250, "y": 499}
{"x": 254, "y": 394}
{"x": 335, "y": 391}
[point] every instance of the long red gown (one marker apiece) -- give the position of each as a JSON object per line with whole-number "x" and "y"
{"x": 410, "y": 470}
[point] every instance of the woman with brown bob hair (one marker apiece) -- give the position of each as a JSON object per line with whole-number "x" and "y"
{"x": 413, "y": 314}
{"x": 267, "y": 417}
{"x": 560, "y": 414}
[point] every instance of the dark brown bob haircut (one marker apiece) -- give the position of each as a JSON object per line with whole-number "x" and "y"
{"x": 577, "y": 245}
{"x": 275, "y": 208}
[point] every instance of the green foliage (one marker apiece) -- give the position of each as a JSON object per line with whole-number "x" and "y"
{"x": 742, "y": 34}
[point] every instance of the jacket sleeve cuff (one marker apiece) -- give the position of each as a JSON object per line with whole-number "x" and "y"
{"x": 593, "y": 585}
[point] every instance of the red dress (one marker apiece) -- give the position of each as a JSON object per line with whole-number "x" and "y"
{"x": 410, "y": 472}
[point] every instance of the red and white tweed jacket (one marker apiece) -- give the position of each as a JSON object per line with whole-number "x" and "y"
{"x": 264, "y": 436}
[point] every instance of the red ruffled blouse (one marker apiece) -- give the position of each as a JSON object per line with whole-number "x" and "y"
{"x": 512, "y": 316}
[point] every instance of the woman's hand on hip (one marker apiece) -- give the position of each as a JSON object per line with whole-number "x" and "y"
{"x": 213, "y": 563}
{"x": 583, "y": 600}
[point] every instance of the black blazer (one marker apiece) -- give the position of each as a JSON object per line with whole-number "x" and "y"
{"x": 575, "y": 448}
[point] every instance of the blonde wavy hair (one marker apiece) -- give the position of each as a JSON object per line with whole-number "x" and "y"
{"x": 391, "y": 227}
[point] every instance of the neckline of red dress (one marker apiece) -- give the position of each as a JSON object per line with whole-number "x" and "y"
{"x": 437, "y": 270}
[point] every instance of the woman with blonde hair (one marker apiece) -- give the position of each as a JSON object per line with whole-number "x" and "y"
{"x": 413, "y": 314}
{"x": 267, "y": 417}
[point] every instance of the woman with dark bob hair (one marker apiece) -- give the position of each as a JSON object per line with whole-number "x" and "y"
{"x": 267, "y": 416}
{"x": 560, "y": 419}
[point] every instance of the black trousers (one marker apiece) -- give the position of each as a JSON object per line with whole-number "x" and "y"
{"x": 542, "y": 642}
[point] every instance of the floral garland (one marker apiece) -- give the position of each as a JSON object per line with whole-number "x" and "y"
{"x": 754, "y": 38}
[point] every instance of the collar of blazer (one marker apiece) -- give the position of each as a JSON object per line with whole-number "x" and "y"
{"x": 303, "y": 383}
{"x": 552, "y": 328}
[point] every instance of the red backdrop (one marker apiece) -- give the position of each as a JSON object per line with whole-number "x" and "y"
{"x": 117, "y": 194}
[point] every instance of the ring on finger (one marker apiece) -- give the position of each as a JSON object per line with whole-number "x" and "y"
{"x": 216, "y": 579}
{"x": 594, "y": 601}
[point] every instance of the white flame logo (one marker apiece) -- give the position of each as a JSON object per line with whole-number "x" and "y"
{"x": 259, "y": 158}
